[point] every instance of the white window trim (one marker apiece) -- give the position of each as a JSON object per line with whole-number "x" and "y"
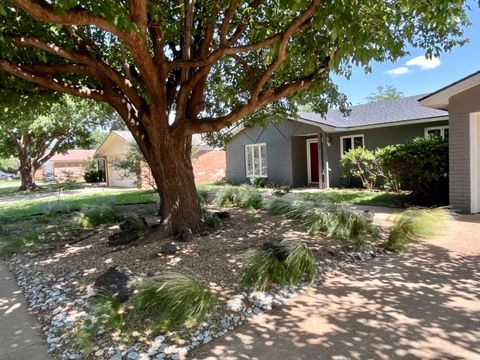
{"x": 350, "y": 136}
{"x": 309, "y": 169}
{"x": 246, "y": 159}
{"x": 441, "y": 128}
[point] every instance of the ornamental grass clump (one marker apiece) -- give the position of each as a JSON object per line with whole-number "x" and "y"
{"x": 285, "y": 262}
{"x": 173, "y": 300}
{"x": 94, "y": 215}
{"x": 107, "y": 313}
{"x": 333, "y": 220}
{"x": 414, "y": 224}
{"x": 245, "y": 196}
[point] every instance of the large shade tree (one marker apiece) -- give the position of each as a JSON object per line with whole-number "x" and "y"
{"x": 176, "y": 68}
{"x": 36, "y": 125}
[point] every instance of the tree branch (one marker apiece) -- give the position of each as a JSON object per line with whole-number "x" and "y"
{"x": 229, "y": 13}
{"x": 137, "y": 10}
{"x": 265, "y": 98}
{"x": 42, "y": 11}
{"x": 98, "y": 64}
{"x": 282, "y": 48}
{"x": 50, "y": 82}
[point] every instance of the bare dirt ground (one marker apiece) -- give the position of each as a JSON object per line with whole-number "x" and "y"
{"x": 214, "y": 259}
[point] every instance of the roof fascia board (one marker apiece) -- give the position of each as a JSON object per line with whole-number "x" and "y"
{"x": 397, "y": 123}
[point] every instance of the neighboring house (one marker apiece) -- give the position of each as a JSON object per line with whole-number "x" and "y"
{"x": 462, "y": 101}
{"x": 208, "y": 163}
{"x": 306, "y": 151}
{"x": 61, "y": 165}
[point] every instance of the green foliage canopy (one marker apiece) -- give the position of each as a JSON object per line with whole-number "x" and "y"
{"x": 248, "y": 50}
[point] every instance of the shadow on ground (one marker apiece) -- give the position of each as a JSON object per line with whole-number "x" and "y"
{"x": 424, "y": 304}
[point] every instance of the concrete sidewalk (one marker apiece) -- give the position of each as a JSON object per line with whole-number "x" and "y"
{"x": 20, "y": 338}
{"x": 424, "y": 304}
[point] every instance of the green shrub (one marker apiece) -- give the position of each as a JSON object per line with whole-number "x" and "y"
{"x": 258, "y": 182}
{"x": 93, "y": 176}
{"x": 173, "y": 300}
{"x": 332, "y": 219}
{"x": 203, "y": 195}
{"x": 284, "y": 263}
{"x": 413, "y": 224}
{"x": 94, "y": 215}
{"x": 362, "y": 164}
{"x": 245, "y": 196}
{"x": 420, "y": 165}
{"x": 211, "y": 220}
{"x": 108, "y": 313}
{"x": 13, "y": 244}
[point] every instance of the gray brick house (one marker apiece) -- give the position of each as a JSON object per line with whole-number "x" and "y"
{"x": 306, "y": 151}
{"x": 298, "y": 152}
{"x": 462, "y": 101}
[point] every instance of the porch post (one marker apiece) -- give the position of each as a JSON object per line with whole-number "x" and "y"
{"x": 324, "y": 158}
{"x": 320, "y": 163}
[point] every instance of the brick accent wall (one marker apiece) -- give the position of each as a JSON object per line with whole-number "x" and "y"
{"x": 459, "y": 154}
{"x": 209, "y": 165}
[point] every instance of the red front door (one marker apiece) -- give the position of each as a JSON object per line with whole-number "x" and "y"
{"x": 314, "y": 162}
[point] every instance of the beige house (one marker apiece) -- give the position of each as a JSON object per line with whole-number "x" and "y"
{"x": 208, "y": 163}
{"x": 114, "y": 148}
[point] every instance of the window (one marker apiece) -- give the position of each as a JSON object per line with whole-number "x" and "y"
{"x": 440, "y": 132}
{"x": 256, "y": 160}
{"x": 350, "y": 142}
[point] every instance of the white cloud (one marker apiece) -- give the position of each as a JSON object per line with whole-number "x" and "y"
{"x": 423, "y": 63}
{"x": 398, "y": 71}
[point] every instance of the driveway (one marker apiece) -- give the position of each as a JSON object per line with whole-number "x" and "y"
{"x": 424, "y": 304}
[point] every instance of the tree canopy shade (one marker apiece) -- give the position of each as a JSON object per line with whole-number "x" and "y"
{"x": 175, "y": 68}
{"x": 34, "y": 126}
{"x": 388, "y": 92}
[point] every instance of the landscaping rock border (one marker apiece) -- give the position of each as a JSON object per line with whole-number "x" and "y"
{"x": 61, "y": 305}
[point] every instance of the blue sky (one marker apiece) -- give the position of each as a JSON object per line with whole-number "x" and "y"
{"x": 418, "y": 76}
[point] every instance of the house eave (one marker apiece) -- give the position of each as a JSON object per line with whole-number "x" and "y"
{"x": 396, "y": 123}
{"x": 440, "y": 99}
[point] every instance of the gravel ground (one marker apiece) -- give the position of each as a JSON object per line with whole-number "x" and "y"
{"x": 56, "y": 281}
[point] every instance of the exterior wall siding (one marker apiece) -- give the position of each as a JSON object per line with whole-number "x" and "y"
{"x": 286, "y": 149}
{"x": 373, "y": 139}
{"x": 460, "y": 107}
{"x": 278, "y": 138}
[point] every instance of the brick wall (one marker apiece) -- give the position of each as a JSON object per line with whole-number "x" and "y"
{"x": 209, "y": 165}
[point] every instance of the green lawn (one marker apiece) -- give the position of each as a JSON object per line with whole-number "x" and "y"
{"x": 359, "y": 197}
{"x": 10, "y": 188}
{"x": 21, "y": 209}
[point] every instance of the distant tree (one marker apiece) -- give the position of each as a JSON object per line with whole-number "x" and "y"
{"x": 33, "y": 128}
{"x": 387, "y": 92}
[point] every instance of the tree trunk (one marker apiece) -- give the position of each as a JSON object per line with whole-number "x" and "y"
{"x": 171, "y": 167}
{"x": 27, "y": 172}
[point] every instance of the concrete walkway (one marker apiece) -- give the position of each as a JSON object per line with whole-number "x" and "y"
{"x": 424, "y": 304}
{"x": 20, "y": 338}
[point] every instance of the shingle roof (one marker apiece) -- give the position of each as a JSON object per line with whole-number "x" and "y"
{"x": 376, "y": 113}
{"x": 74, "y": 155}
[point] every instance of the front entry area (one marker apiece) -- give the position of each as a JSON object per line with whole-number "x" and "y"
{"x": 312, "y": 161}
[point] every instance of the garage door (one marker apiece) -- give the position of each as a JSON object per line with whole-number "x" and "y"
{"x": 117, "y": 177}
